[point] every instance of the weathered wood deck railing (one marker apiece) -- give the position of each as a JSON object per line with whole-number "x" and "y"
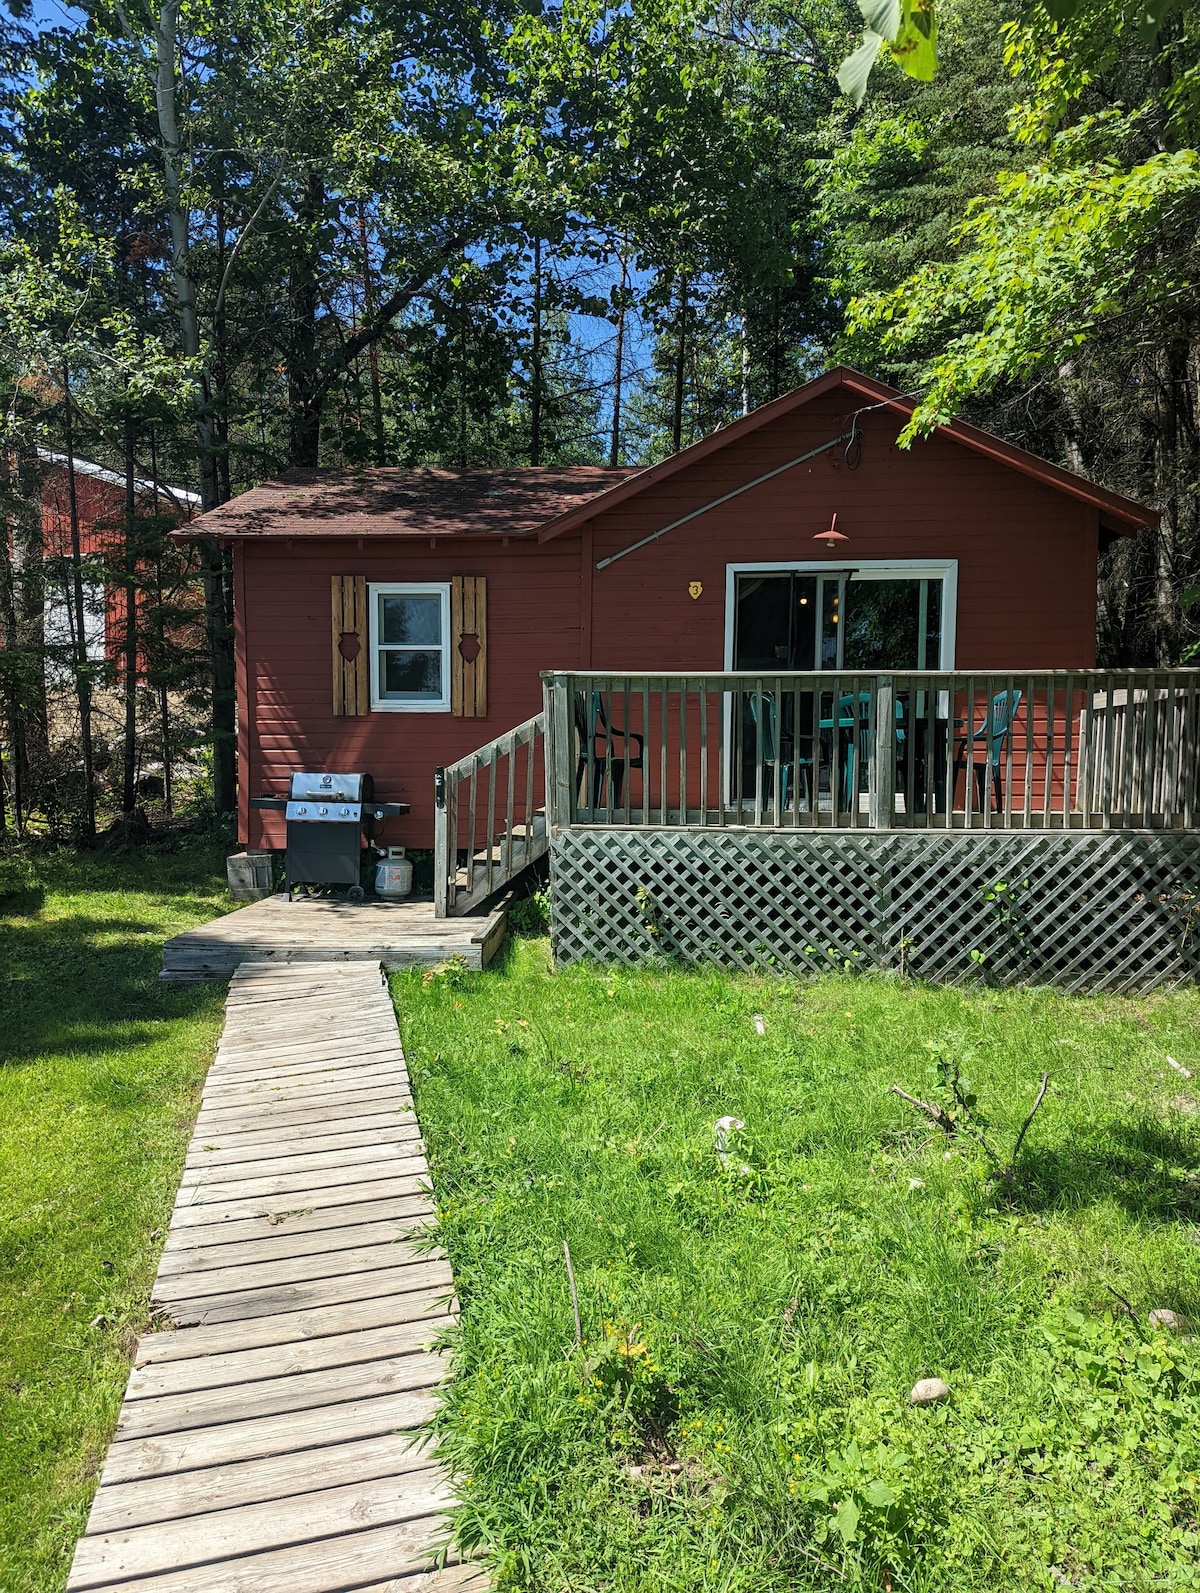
{"x": 1085, "y": 749}
{"x": 505, "y": 775}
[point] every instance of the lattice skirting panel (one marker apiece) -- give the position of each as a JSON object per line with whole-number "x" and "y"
{"x": 1082, "y": 911}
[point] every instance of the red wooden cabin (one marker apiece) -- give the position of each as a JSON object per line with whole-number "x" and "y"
{"x": 393, "y": 620}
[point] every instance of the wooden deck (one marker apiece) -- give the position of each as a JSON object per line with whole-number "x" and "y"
{"x": 273, "y": 1440}
{"x": 276, "y": 931}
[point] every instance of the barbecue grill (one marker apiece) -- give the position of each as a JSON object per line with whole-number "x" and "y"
{"x": 330, "y": 819}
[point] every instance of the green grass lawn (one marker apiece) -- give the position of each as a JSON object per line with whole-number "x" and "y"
{"x": 100, "y": 1069}
{"x": 738, "y": 1417}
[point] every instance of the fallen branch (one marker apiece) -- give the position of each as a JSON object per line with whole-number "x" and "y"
{"x": 1033, "y": 1111}
{"x": 574, "y": 1294}
{"x": 934, "y": 1113}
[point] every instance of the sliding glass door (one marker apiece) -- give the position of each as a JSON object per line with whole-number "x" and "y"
{"x": 837, "y": 619}
{"x": 874, "y": 620}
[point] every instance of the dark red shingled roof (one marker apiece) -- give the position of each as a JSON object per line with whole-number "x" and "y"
{"x": 391, "y": 502}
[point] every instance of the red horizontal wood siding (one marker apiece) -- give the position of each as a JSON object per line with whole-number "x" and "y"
{"x": 1026, "y": 593}
{"x": 285, "y": 688}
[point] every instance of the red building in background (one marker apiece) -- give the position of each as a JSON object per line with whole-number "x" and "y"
{"x": 100, "y": 497}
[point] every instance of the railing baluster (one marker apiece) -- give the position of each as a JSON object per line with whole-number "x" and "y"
{"x": 683, "y": 802}
{"x": 1191, "y": 756}
{"x": 776, "y": 716}
{"x": 530, "y": 776}
{"x": 506, "y": 850}
{"x": 471, "y": 809}
{"x": 724, "y": 756}
{"x": 662, "y": 750}
{"x": 491, "y": 821}
{"x": 1147, "y": 802}
{"x": 1048, "y": 777}
{"x": 1110, "y": 743}
{"x": 1069, "y": 754}
{"x": 627, "y": 750}
{"x": 969, "y": 768}
{"x": 835, "y": 751}
{"x": 1030, "y": 700}
{"x": 703, "y": 701}
{"x": 758, "y": 752}
{"x": 1128, "y": 755}
{"x": 1008, "y": 758}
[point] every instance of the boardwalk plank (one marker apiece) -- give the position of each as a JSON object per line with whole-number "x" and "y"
{"x": 278, "y": 1247}
{"x": 350, "y": 1194}
{"x": 204, "y": 1541}
{"x": 120, "y": 1506}
{"x": 351, "y": 1101}
{"x": 292, "y": 1327}
{"x": 233, "y": 1145}
{"x": 303, "y": 1181}
{"x": 308, "y": 1355}
{"x": 303, "y": 1391}
{"x": 238, "y": 1306}
{"x": 217, "y": 1175}
{"x": 235, "y": 1275}
{"x": 316, "y": 1221}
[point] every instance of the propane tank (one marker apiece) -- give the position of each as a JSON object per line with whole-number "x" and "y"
{"x": 393, "y": 874}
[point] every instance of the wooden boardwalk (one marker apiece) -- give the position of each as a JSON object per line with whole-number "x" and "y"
{"x": 374, "y": 932}
{"x": 272, "y": 1441}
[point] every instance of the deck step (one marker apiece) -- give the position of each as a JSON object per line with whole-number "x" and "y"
{"x": 283, "y": 934}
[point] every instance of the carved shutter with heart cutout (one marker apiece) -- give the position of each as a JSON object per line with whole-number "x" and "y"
{"x": 468, "y": 646}
{"x": 351, "y": 646}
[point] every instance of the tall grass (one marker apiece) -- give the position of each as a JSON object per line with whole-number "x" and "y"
{"x": 738, "y": 1415}
{"x": 100, "y": 1068}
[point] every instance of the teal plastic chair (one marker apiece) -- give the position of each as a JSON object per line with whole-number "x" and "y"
{"x": 789, "y": 768}
{"x": 854, "y": 752}
{"x": 992, "y": 734}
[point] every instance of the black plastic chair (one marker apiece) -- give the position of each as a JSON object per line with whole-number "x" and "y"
{"x": 600, "y": 736}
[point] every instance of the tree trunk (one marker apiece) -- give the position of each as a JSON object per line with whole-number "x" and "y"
{"x": 614, "y": 452}
{"x": 304, "y": 407}
{"x": 744, "y": 342}
{"x": 220, "y": 634}
{"x": 29, "y": 598}
{"x": 83, "y": 675}
{"x": 369, "y": 310}
{"x": 680, "y": 367}
{"x": 129, "y": 642}
{"x": 9, "y": 683}
{"x": 535, "y": 363}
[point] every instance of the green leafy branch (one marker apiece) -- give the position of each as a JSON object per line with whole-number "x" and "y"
{"x": 958, "y": 1111}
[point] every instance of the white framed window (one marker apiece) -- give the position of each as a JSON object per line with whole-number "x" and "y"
{"x": 410, "y": 646}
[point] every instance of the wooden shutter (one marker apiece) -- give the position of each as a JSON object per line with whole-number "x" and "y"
{"x": 351, "y": 646}
{"x": 468, "y": 646}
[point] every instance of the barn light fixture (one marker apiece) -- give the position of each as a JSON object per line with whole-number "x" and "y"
{"x": 833, "y": 536}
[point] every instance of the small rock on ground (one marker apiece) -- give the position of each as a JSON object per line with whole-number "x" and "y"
{"x": 1173, "y": 1321}
{"x": 928, "y": 1391}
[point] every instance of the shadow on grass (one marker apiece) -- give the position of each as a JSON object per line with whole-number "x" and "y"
{"x": 85, "y": 986}
{"x": 1146, "y": 1167}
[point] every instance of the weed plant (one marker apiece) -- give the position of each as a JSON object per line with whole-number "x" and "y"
{"x": 737, "y": 1416}
{"x": 100, "y": 1070}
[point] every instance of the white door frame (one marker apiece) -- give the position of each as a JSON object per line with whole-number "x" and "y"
{"x": 869, "y": 570}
